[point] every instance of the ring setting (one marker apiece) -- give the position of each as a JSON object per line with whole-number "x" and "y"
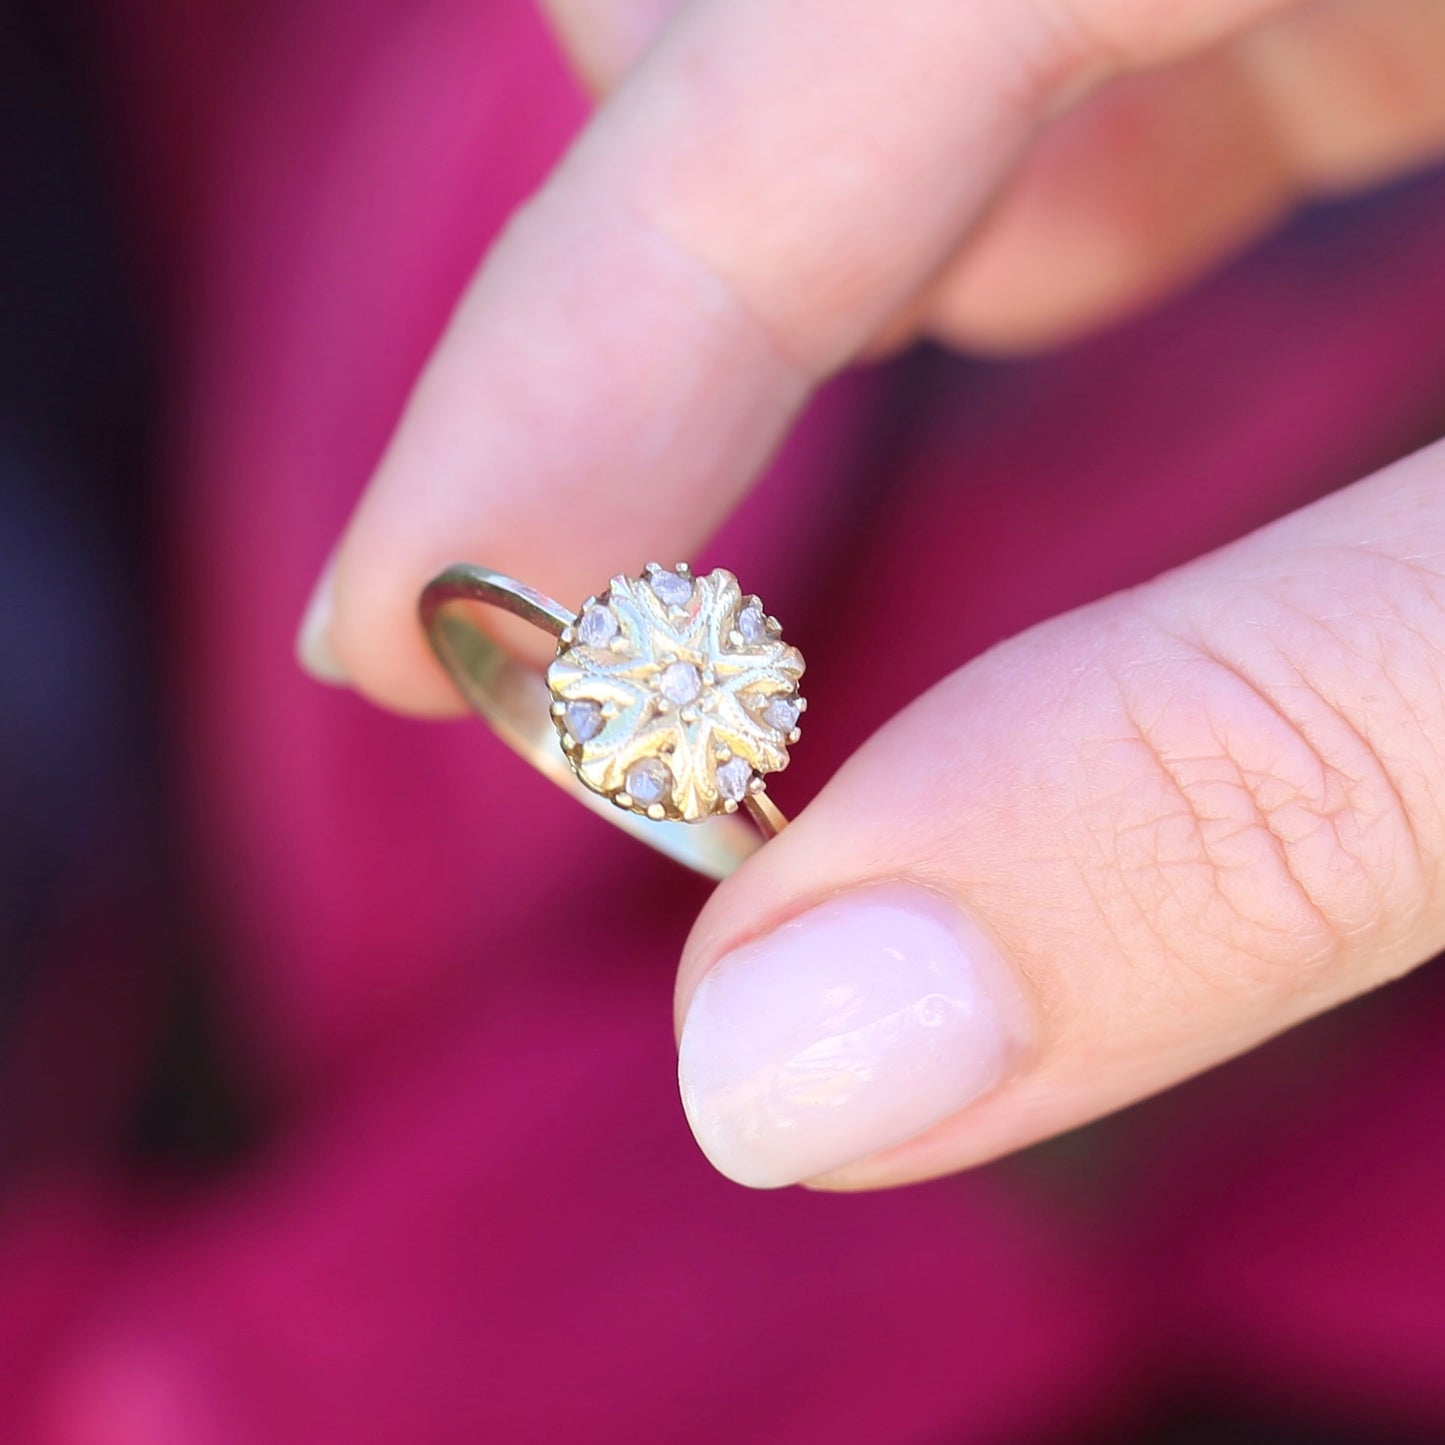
{"x": 670, "y": 701}
{"x": 675, "y": 696}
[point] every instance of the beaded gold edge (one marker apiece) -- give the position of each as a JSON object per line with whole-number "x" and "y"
{"x": 674, "y": 695}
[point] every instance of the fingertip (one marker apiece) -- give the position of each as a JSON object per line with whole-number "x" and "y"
{"x": 314, "y": 650}
{"x": 849, "y": 1029}
{"x": 326, "y": 650}
{"x": 381, "y": 649}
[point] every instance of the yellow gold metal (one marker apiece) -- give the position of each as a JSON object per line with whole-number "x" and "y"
{"x": 663, "y": 633}
{"x": 689, "y": 693}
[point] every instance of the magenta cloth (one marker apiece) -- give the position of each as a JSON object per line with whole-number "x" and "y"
{"x": 477, "y": 1213}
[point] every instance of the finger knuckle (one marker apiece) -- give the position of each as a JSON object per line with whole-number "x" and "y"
{"x": 1265, "y": 835}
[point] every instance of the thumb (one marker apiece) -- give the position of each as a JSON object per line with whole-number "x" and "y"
{"x": 1131, "y": 843}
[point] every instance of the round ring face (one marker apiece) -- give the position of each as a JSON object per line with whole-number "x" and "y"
{"x": 675, "y": 695}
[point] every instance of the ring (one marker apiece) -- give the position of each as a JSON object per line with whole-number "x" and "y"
{"x": 670, "y": 700}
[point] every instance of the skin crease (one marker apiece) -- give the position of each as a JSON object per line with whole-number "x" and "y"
{"x": 1148, "y": 182}
{"x": 1191, "y": 815}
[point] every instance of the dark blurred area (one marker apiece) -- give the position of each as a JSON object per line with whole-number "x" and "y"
{"x": 97, "y": 933}
{"x": 125, "y": 1074}
{"x": 77, "y": 395}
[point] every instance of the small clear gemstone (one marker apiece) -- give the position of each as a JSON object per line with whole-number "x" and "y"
{"x": 671, "y": 587}
{"x": 598, "y": 627}
{"x": 733, "y": 778}
{"x": 679, "y": 683}
{"x": 752, "y": 624}
{"x": 782, "y": 713}
{"x": 583, "y": 719}
{"x": 649, "y": 780}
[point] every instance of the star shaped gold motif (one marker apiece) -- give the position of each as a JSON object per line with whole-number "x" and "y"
{"x": 674, "y": 695}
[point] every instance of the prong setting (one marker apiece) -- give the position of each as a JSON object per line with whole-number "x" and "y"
{"x": 674, "y": 695}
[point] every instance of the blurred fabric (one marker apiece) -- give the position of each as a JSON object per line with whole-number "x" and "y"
{"x": 332, "y": 1112}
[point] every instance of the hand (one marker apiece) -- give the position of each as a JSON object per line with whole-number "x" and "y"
{"x": 1174, "y": 822}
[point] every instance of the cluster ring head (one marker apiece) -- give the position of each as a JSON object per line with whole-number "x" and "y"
{"x": 674, "y": 694}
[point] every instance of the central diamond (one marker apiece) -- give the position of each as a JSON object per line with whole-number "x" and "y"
{"x": 679, "y": 683}
{"x": 675, "y": 695}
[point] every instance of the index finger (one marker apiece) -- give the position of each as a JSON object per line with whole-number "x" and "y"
{"x": 767, "y": 186}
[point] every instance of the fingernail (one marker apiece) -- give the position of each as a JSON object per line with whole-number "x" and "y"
{"x": 849, "y": 1029}
{"x": 313, "y": 640}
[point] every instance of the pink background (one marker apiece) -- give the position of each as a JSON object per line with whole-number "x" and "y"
{"x": 474, "y": 1211}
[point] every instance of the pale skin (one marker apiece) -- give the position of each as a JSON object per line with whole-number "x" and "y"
{"x": 1191, "y": 815}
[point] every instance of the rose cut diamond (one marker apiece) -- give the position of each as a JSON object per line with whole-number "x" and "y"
{"x": 680, "y": 683}
{"x": 583, "y": 719}
{"x": 649, "y": 780}
{"x": 733, "y": 778}
{"x": 752, "y": 624}
{"x": 671, "y": 588}
{"x": 782, "y": 713}
{"x": 598, "y": 627}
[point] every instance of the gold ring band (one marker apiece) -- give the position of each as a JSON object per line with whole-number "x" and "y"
{"x": 669, "y": 700}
